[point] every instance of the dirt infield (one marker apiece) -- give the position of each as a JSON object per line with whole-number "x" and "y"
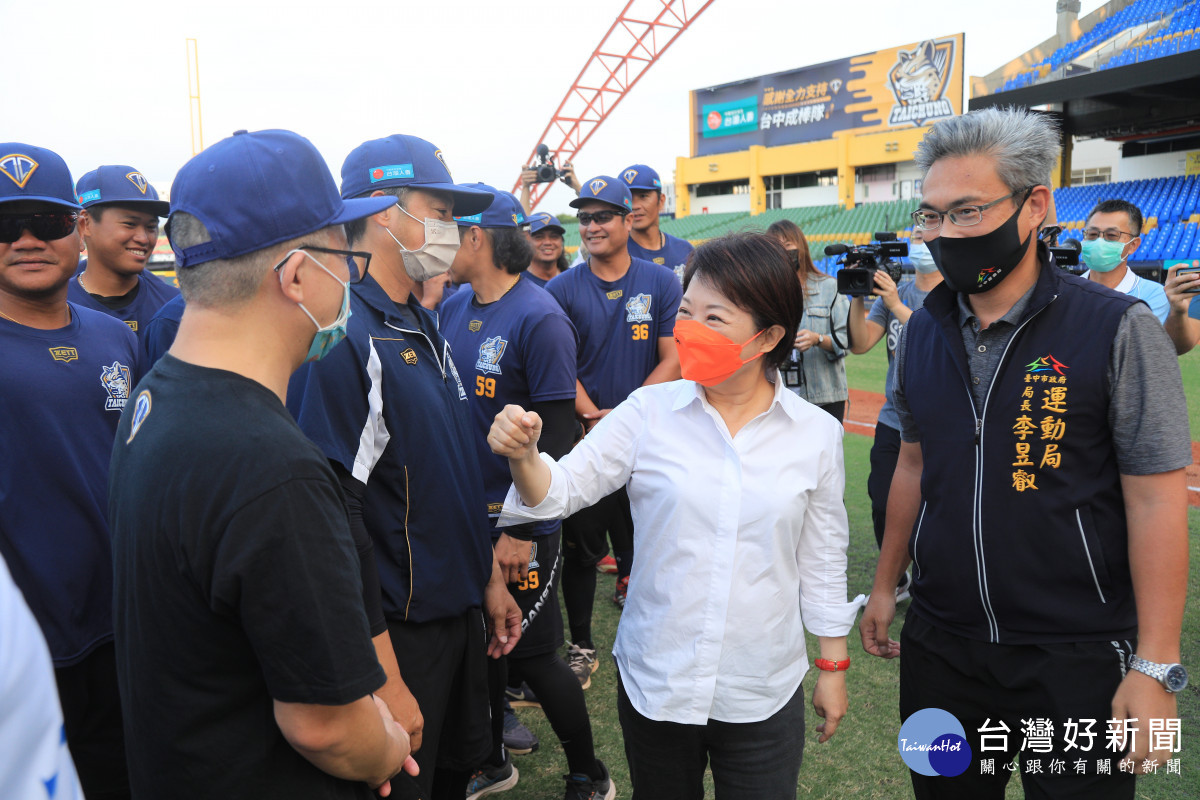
{"x": 864, "y": 407}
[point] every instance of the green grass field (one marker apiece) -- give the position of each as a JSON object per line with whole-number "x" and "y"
{"x": 861, "y": 761}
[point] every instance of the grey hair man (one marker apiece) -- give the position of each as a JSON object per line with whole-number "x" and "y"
{"x": 243, "y": 650}
{"x": 1039, "y": 493}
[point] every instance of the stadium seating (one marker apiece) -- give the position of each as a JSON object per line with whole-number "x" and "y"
{"x": 1158, "y": 27}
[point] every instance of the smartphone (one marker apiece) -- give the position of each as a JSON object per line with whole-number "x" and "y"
{"x": 1189, "y": 271}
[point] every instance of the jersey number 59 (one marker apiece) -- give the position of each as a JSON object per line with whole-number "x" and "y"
{"x": 485, "y": 387}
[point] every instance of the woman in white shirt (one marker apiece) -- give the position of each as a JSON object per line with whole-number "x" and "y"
{"x": 736, "y": 490}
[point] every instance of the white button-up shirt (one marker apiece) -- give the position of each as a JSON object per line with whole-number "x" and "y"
{"x": 738, "y": 538}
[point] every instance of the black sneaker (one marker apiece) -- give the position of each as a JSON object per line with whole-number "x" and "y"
{"x": 490, "y": 780}
{"x": 522, "y": 697}
{"x": 518, "y": 739}
{"x": 581, "y": 787}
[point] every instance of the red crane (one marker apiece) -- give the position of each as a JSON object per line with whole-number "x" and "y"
{"x": 637, "y": 38}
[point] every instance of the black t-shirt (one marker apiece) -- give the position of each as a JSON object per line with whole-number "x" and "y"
{"x": 237, "y": 583}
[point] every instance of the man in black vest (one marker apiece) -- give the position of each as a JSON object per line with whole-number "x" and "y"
{"x": 1039, "y": 496}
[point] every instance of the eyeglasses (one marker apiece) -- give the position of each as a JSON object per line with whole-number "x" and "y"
{"x": 963, "y": 216}
{"x": 1110, "y": 235}
{"x": 599, "y": 217}
{"x": 46, "y": 227}
{"x": 356, "y": 275}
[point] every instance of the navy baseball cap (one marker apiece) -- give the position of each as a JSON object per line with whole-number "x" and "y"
{"x": 254, "y": 190}
{"x": 409, "y": 161}
{"x": 542, "y": 220}
{"x": 122, "y": 185}
{"x": 504, "y": 212}
{"x": 639, "y": 176}
{"x": 35, "y": 174}
{"x": 606, "y": 190}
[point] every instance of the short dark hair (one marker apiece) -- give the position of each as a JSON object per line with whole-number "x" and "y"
{"x": 753, "y": 271}
{"x": 356, "y": 228}
{"x": 511, "y": 250}
{"x": 1118, "y": 206}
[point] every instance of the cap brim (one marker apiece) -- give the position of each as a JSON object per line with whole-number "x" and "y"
{"x": 467, "y": 202}
{"x": 579, "y": 201}
{"x": 57, "y": 201}
{"x": 159, "y": 208}
{"x": 360, "y": 207}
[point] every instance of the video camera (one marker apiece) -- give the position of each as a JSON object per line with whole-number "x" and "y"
{"x": 1067, "y": 255}
{"x": 543, "y": 165}
{"x": 857, "y": 276}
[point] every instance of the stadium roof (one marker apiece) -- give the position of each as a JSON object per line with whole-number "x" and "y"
{"x": 1140, "y": 100}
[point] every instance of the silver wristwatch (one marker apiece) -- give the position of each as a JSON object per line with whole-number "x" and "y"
{"x": 1173, "y": 677}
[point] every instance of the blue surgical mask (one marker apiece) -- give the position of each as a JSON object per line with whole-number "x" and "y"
{"x": 921, "y": 258}
{"x": 1102, "y": 256}
{"x": 331, "y": 335}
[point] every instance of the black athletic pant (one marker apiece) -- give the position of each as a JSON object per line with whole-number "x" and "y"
{"x": 583, "y": 546}
{"x": 986, "y": 685}
{"x": 92, "y": 720}
{"x": 562, "y": 701}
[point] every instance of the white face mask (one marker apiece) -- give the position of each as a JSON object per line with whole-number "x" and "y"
{"x": 435, "y": 256}
{"x": 921, "y": 258}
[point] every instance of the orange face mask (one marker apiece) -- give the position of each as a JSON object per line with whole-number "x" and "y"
{"x": 708, "y": 357}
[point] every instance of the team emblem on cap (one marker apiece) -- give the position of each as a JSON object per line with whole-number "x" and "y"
{"x": 597, "y": 186}
{"x": 18, "y": 167}
{"x": 629, "y": 175}
{"x": 117, "y": 381}
{"x": 138, "y": 180}
{"x": 490, "y": 353}
{"x": 64, "y": 354}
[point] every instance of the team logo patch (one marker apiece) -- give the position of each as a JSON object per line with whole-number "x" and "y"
{"x": 92, "y": 196}
{"x": 409, "y": 356}
{"x": 660, "y": 260}
{"x": 132, "y": 323}
{"x": 474, "y": 325}
{"x": 533, "y": 562}
{"x": 495, "y": 508}
{"x": 637, "y": 308}
{"x": 138, "y": 180}
{"x": 597, "y": 186}
{"x": 490, "y": 353}
{"x": 1045, "y": 364}
{"x": 117, "y": 381}
{"x": 629, "y": 175}
{"x": 64, "y": 354}
{"x": 141, "y": 410}
{"x": 18, "y": 167}
{"x": 918, "y": 80}
{"x": 390, "y": 172}
{"x": 615, "y": 294}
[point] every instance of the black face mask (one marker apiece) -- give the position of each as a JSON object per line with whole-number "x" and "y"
{"x": 976, "y": 264}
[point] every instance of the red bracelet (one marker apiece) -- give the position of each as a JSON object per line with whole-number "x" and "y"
{"x": 832, "y": 666}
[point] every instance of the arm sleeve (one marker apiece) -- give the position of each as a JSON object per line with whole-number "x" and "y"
{"x": 1147, "y": 408}
{"x": 285, "y": 568}
{"x": 671, "y": 295}
{"x": 821, "y": 551}
{"x": 908, "y": 427}
{"x": 599, "y": 465}
{"x": 353, "y": 492}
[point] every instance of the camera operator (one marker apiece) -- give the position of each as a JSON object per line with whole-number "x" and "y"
{"x": 1183, "y": 318}
{"x": 889, "y": 313}
{"x": 543, "y": 170}
{"x": 815, "y": 369}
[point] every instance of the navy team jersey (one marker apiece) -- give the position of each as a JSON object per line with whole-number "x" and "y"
{"x": 519, "y": 349}
{"x": 619, "y": 324}
{"x": 61, "y": 404}
{"x": 388, "y": 405}
{"x": 152, "y": 294}
{"x": 673, "y": 254}
{"x": 159, "y": 333}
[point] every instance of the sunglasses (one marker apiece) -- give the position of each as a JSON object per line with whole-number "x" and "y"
{"x": 599, "y": 217}
{"x": 46, "y": 227}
